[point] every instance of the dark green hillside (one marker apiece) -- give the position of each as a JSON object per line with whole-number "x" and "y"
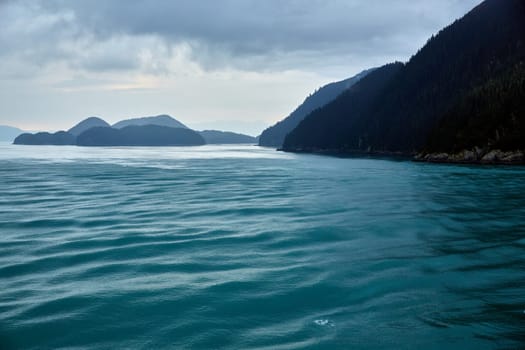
{"x": 442, "y": 76}
{"x": 492, "y": 116}
{"x": 325, "y": 129}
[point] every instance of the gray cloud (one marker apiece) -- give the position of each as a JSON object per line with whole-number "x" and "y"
{"x": 245, "y": 34}
{"x": 210, "y": 62}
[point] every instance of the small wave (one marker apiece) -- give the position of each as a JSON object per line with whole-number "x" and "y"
{"x": 324, "y": 323}
{"x": 111, "y": 252}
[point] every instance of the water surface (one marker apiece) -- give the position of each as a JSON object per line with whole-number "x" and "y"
{"x": 220, "y": 247}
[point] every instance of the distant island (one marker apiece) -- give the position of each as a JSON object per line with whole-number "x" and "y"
{"x": 161, "y": 130}
{"x": 60, "y": 138}
{"x": 140, "y": 135}
{"x": 9, "y": 133}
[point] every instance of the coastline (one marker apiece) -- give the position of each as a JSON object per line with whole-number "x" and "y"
{"x": 473, "y": 157}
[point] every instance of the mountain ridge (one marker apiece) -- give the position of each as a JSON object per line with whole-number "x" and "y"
{"x": 480, "y": 46}
{"x": 274, "y": 136}
{"x": 94, "y": 131}
{"x": 140, "y": 135}
{"x": 9, "y": 133}
{"x": 160, "y": 120}
{"x": 87, "y": 124}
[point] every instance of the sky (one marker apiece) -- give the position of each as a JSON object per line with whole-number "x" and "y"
{"x": 238, "y": 65}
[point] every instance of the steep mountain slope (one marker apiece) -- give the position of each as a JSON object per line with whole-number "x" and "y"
{"x": 86, "y": 124}
{"x": 491, "y": 116}
{"x": 480, "y": 47}
{"x": 324, "y": 129}
{"x": 160, "y": 120}
{"x": 274, "y": 135}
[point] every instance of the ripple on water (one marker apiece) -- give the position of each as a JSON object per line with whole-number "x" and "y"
{"x": 243, "y": 247}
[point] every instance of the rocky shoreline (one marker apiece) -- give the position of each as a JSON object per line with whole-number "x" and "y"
{"x": 475, "y": 156}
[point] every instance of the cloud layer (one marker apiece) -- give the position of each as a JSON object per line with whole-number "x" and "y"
{"x": 70, "y": 45}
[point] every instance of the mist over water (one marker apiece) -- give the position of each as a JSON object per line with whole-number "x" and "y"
{"x": 248, "y": 248}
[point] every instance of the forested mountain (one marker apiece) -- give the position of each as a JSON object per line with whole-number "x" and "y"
{"x": 161, "y": 130}
{"x": 327, "y": 127}
{"x": 467, "y": 76}
{"x": 491, "y": 116}
{"x": 274, "y": 135}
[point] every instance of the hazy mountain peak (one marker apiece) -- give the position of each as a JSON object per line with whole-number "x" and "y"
{"x": 9, "y": 133}
{"x": 86, "y": 124}
{"x": 160, "y": 120}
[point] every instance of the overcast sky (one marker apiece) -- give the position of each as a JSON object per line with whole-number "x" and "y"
{"x": 236, "y": 64}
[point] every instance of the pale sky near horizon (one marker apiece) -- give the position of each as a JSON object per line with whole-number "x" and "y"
{"x": 239, "y": 65}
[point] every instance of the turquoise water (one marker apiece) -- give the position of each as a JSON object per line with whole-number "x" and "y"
{"x": 247, "y": 248}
